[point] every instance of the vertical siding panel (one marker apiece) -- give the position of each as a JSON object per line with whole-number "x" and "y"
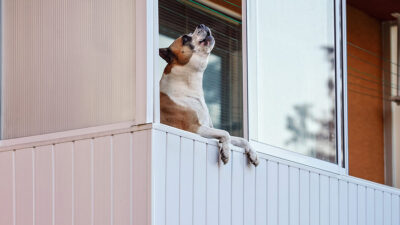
{"x": 395, "y": 209}
{"x": 304, "y": 197}
{"x": 141, "y": 190}
{"x": 261, "y": 192}
{"x": 82, "y": 182}
{"x": 199, "y": 184}
{"x": 324, "y": 200}
{"x": 370, "y": 206}
{"x": 172, "y": 179}
{"x": 387, "y": 212}
{"x": 212, "y": 185}
{"x": 294, "y": 190}
{"x": 283, "y": 192}
{"x": 249, "y": 194}
{"x": 6, "y": 188}
{"x": 314, "y": 199}
{"x": 238, "y": 163}
{"x": 24, "y": 186}
{"x": 159, "y": 145}
{"x": 361, "y": 205}
{"x": 43, "y": 185}
{"x": 334, "y": 201}
{"x": 186, "y": 182}
{"x": 225, "y": 192}
{"x": 63, "y": 183}
{"x": 352, "y": 203}
{"x": 121, "y": 178}
{"x": 378, "y": 207}
{"x": 343, "y": 202}
{"x": 102, "y": 180}
{"x": 272, "y": 196}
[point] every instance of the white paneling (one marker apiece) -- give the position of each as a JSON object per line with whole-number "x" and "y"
{"x": 343, "y": 202}
{"x": 159, "y": 144}
{"x": 283, "y": 193}
{"x": 333, "y": 201}
{"x": 304, "y": 197}
{"x": 361, "y": 205}
{"x": 186, "y": 181}
{"x": 294, "y": 190}
{"x": 238, "y": 163}
{"x": 378, "y": 207}
{"x": 6, "y": 188}
{"x": 225, "y": 192}
{"x": 172, "y": 180}
{"x": 395, "y": 210}
{"x": 314, "y": 198}
{"x": 387, "y": 211}
{"x": 272, "y": 194}
{"x": 261, "y": 192}
{"x": 121, "y": 150}
{"x": 63, "y": 189}
{"x": 24, "y": 187}
{"x": 249, "y": 194}
{"x": 212, "y": 185}
{"x": 324, "y": 199}
{"x": 199, "y": 183}
{"x": 352, "y": 203}
{"x": 83, "y": 182}
{"x": 370, "y": 206}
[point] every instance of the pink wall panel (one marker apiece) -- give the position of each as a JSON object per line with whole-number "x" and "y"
{"x": 44, "y": 211}
{"x": 63, "y": 180}
{"x": 83, "y": 182}
{"x": 6, "y": 188}
{"x": 102, "y": 180}
{"x": 24, "y": 188}
{"x": 121, "y": 184}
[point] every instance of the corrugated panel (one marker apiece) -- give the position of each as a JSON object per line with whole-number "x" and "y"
{"x": 66, "y": 64}
{"x": 103, "y": 180}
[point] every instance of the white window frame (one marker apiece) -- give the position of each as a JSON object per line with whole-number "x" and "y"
{"x": 341, "y": 96}
{"x": 341, "y": 88}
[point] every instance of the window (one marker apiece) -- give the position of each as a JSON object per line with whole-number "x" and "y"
{"x": 66, "y": 65}
{"x": 295, "y": 77}
{"x": 222, "y": 83}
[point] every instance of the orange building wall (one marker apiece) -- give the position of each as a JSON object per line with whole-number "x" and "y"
{"x": 365, "y": 106}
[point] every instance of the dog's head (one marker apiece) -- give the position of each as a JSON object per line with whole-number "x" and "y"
{"x": 191, "y": 50}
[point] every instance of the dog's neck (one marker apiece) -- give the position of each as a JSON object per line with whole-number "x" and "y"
{"x": 183, "y": 78}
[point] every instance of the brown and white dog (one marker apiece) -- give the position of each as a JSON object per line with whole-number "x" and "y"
{"x": 182, "y": 103}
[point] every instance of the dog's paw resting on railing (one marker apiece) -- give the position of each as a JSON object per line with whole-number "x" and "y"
{"x": 182, "y": 103}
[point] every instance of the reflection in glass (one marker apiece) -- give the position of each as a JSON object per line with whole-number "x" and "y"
{"x": 295, "y": 80}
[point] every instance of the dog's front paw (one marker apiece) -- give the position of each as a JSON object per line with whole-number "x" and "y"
{"x": 252, "y": 156}
{"x": 224, "y": 151}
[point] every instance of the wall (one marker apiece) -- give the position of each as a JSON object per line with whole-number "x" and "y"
{"x": 67, "y": 64}
{"x": 365, "y": 106}
{"x": 98, "y": 178}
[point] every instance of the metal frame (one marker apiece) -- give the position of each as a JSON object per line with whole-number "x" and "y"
{"x": 341, "y": 95}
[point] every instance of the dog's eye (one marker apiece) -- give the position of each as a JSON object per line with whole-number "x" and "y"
{"x": 186, "y": 39}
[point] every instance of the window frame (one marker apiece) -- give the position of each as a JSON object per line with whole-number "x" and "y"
{"x": 341, "y": 167}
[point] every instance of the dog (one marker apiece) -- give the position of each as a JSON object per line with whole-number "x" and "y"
{"x": 182, "y": 103}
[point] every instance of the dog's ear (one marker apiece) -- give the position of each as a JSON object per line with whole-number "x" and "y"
{"x": 166, "y": 54}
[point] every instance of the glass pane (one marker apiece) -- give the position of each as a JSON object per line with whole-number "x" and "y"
{"x": 67, "y": 64}
{"x": 295, "y": 79}
{"x": 222, "y": 81}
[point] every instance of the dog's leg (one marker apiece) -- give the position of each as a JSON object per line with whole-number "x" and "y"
{"x": 223, "y": 137}
{"x": 250, "y": 152}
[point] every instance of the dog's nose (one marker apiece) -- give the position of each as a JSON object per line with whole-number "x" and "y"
{"x": 201, "y": 26}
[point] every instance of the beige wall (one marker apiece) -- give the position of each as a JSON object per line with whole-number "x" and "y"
{"x": 66, "y": 64}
